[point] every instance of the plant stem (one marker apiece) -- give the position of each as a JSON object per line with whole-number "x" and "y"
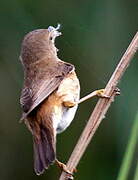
{"x": 127, "y": 160}
{"x": 136, "y": 172}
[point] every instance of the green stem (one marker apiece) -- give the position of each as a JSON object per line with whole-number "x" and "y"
{"x": 126, "y": 164}
{"x": 136, "y": 173}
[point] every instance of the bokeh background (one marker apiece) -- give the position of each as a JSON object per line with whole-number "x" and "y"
{"x": 95, "y": 36}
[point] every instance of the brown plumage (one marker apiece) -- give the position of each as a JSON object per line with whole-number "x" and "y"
{"x": 50, "y": 91}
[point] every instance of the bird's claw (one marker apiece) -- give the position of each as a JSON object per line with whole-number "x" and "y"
{"x": 117, "y": 91}
{"x": 101, "y": 93}
{"x": 69, "y": 104}
{"x": 63, "y": 167}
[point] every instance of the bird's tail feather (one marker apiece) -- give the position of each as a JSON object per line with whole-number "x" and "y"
{"x": 44, "y": 151}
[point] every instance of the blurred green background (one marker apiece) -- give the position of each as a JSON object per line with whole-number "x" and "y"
{"x": 95, "y": 36}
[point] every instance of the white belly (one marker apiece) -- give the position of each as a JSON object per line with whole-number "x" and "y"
{"x": 63, "y": 121}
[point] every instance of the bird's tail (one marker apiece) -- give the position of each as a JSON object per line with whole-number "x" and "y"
{"x": 44, "y": 151}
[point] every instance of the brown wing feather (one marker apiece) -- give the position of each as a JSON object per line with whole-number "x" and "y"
{"x": 39, "y": 85}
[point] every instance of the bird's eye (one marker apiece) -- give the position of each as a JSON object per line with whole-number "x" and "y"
{"x": 51, "y": 38}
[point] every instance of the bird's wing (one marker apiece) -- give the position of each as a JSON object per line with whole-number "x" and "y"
{"x": 34, "y": 93}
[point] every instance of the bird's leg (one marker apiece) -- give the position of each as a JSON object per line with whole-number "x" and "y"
{"x": 64, "y": 168}
{"x": 69, "y": 102}
{"x": 100, "y": 93}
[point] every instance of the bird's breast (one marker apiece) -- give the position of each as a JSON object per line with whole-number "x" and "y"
{"x": 69, "y": 90}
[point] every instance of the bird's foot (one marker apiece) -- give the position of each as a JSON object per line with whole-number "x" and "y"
{"x": 101, "y": 93}
{"x": 117, "y": 91}
{"x": 63, "y": 167}
{"x": 69, "y": 104}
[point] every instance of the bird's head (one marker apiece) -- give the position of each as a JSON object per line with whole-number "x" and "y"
{"x": 39, "y": 44}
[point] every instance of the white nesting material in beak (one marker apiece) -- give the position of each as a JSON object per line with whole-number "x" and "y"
{"x": 54, "y": 31}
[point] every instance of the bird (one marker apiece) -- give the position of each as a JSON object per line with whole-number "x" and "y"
{"x": 51, "y": 90}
